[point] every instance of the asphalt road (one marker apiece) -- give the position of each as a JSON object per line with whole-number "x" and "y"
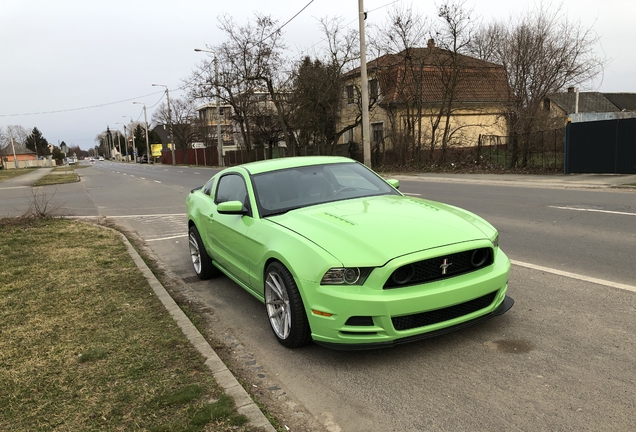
{"x": 561, "y": 359}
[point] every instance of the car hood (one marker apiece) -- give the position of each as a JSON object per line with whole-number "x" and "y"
{"x": 371, "y": 231}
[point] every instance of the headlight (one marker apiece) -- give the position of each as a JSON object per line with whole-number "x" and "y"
{"x": 346, "y": 276}
{"x": 495, "y": 241}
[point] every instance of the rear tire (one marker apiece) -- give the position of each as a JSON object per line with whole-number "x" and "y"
{"x": 201, "y": 261}
{"x": 285, "y": 309}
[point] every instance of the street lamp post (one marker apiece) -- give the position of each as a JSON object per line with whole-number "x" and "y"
{"x": 146, "y": 124}
{"x": 169, "y": 121}
{"x": 218, "y": 104}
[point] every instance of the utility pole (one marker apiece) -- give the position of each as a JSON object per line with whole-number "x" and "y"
{"x": 172, "y": 144}
{"x": 366, "y": 145}
{"x": 15, "y": 158}
{"x": 219, "y": 138}
{"x": 132, "y": 133}
{"x": 125, "y": 141}
{"x": 146, "y": 124}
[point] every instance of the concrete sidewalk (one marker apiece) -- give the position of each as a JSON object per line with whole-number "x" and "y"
{"x": 571, "y": 181}
{"x": 25, "y": 180}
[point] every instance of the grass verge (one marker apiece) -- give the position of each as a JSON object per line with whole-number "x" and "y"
{"x": 85, "y": 344}
{"x": 51, "y": 179}
{"x": 6, "y": 174}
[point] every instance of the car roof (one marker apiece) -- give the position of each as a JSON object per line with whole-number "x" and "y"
{"x": 292, "y": 162}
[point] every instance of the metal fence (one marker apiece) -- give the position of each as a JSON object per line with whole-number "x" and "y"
{"x": 542, "y": 150}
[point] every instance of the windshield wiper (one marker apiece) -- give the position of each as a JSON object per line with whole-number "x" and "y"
{"x": 283, "y": 211}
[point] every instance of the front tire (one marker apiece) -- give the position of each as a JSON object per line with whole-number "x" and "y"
{"x": 201, "y": 261}
{"x": 285, "y": 309}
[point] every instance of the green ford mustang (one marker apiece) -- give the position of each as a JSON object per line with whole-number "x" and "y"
{"x": 340, "y": 257}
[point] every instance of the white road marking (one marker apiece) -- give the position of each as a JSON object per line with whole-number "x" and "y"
{"x": 167, "y": 238}
{"x": 593, "y": 210}
{"x": 413, "y": 194}
{"x": 183, "y": 215}
{"x": 575, "y": 276}
{"x": 157, "y": 181}
{"x": 197, "y": 172}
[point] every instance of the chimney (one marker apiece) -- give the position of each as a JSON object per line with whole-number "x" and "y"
{"x": 431, "y": 43}
{"x": 570, "y": 89}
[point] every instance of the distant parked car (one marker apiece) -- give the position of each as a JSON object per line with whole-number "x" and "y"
{"x": 142, "y": 159}
{"x": 101, "y": 158}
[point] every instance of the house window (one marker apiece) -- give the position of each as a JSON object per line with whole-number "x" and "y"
{"x": 349, "y": 94}
{"x": 374, "y": 89}
{"x": 377, "y": 133}
{"x": 347, "y": 137}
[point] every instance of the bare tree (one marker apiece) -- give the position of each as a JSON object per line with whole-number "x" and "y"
{"x": 18, "y": 133}
{"x": 398, "y": 43}
{"x": 318, "y": 89}
{"x": 12, "y": 134}
{"x": 543, "y": 52}
{"x": 183, "y": 113}
{"x": 434, "y": 94}
{"x": 249, "y": 62}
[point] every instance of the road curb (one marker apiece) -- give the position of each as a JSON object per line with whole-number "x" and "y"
{"x": 223, "y": 376}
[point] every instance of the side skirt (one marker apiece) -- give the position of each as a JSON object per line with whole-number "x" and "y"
{"x": 239, "y": 282}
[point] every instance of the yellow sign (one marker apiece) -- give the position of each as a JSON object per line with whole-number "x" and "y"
{"x": 155, "y": 149}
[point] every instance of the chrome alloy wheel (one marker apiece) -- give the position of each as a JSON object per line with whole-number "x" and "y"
{"x": 277, "y": 302}
{"x": 195, "y": 253}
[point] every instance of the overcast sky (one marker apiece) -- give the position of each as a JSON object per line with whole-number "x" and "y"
{"x": 72, "y": 67}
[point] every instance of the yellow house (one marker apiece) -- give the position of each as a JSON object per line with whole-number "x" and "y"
{"x": 427, "y": 100}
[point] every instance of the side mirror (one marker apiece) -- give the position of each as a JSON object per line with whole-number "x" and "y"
{"x": 393, "y": 182}
{"x": 231, "y": 207}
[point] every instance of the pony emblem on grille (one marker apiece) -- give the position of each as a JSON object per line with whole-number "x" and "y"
{"x": 445, "y": 265}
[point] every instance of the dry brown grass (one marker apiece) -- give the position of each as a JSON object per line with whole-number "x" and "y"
{"x": 7, "y": 174}
{"x": 86, "y": 345}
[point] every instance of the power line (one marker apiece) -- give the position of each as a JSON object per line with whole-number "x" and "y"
{"x": 82, "y": 108}
{"x": 289, "y": 20}
{"x": 345, "y": 26}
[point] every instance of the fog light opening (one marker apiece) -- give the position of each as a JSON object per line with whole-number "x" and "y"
{"x": 479, "y": 257}
{"x": 403, "y": 274}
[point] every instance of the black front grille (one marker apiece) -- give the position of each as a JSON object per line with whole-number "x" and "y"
{"x": 441, "y": 267}
{"x": 423, "y": 319}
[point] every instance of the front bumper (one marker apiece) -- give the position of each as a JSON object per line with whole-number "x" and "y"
{"x": 503, "y": 308}
{"x": 367, "y": 317}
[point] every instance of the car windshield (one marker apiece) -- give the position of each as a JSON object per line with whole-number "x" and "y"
{"x": 280, "y": 191}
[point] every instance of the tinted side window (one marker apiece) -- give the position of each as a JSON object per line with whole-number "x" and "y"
{"x": 231, "y": 188}
{"x": 207, "y": 188}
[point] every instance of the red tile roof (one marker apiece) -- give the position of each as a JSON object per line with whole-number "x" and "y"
{"x": 401, "y": 74}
